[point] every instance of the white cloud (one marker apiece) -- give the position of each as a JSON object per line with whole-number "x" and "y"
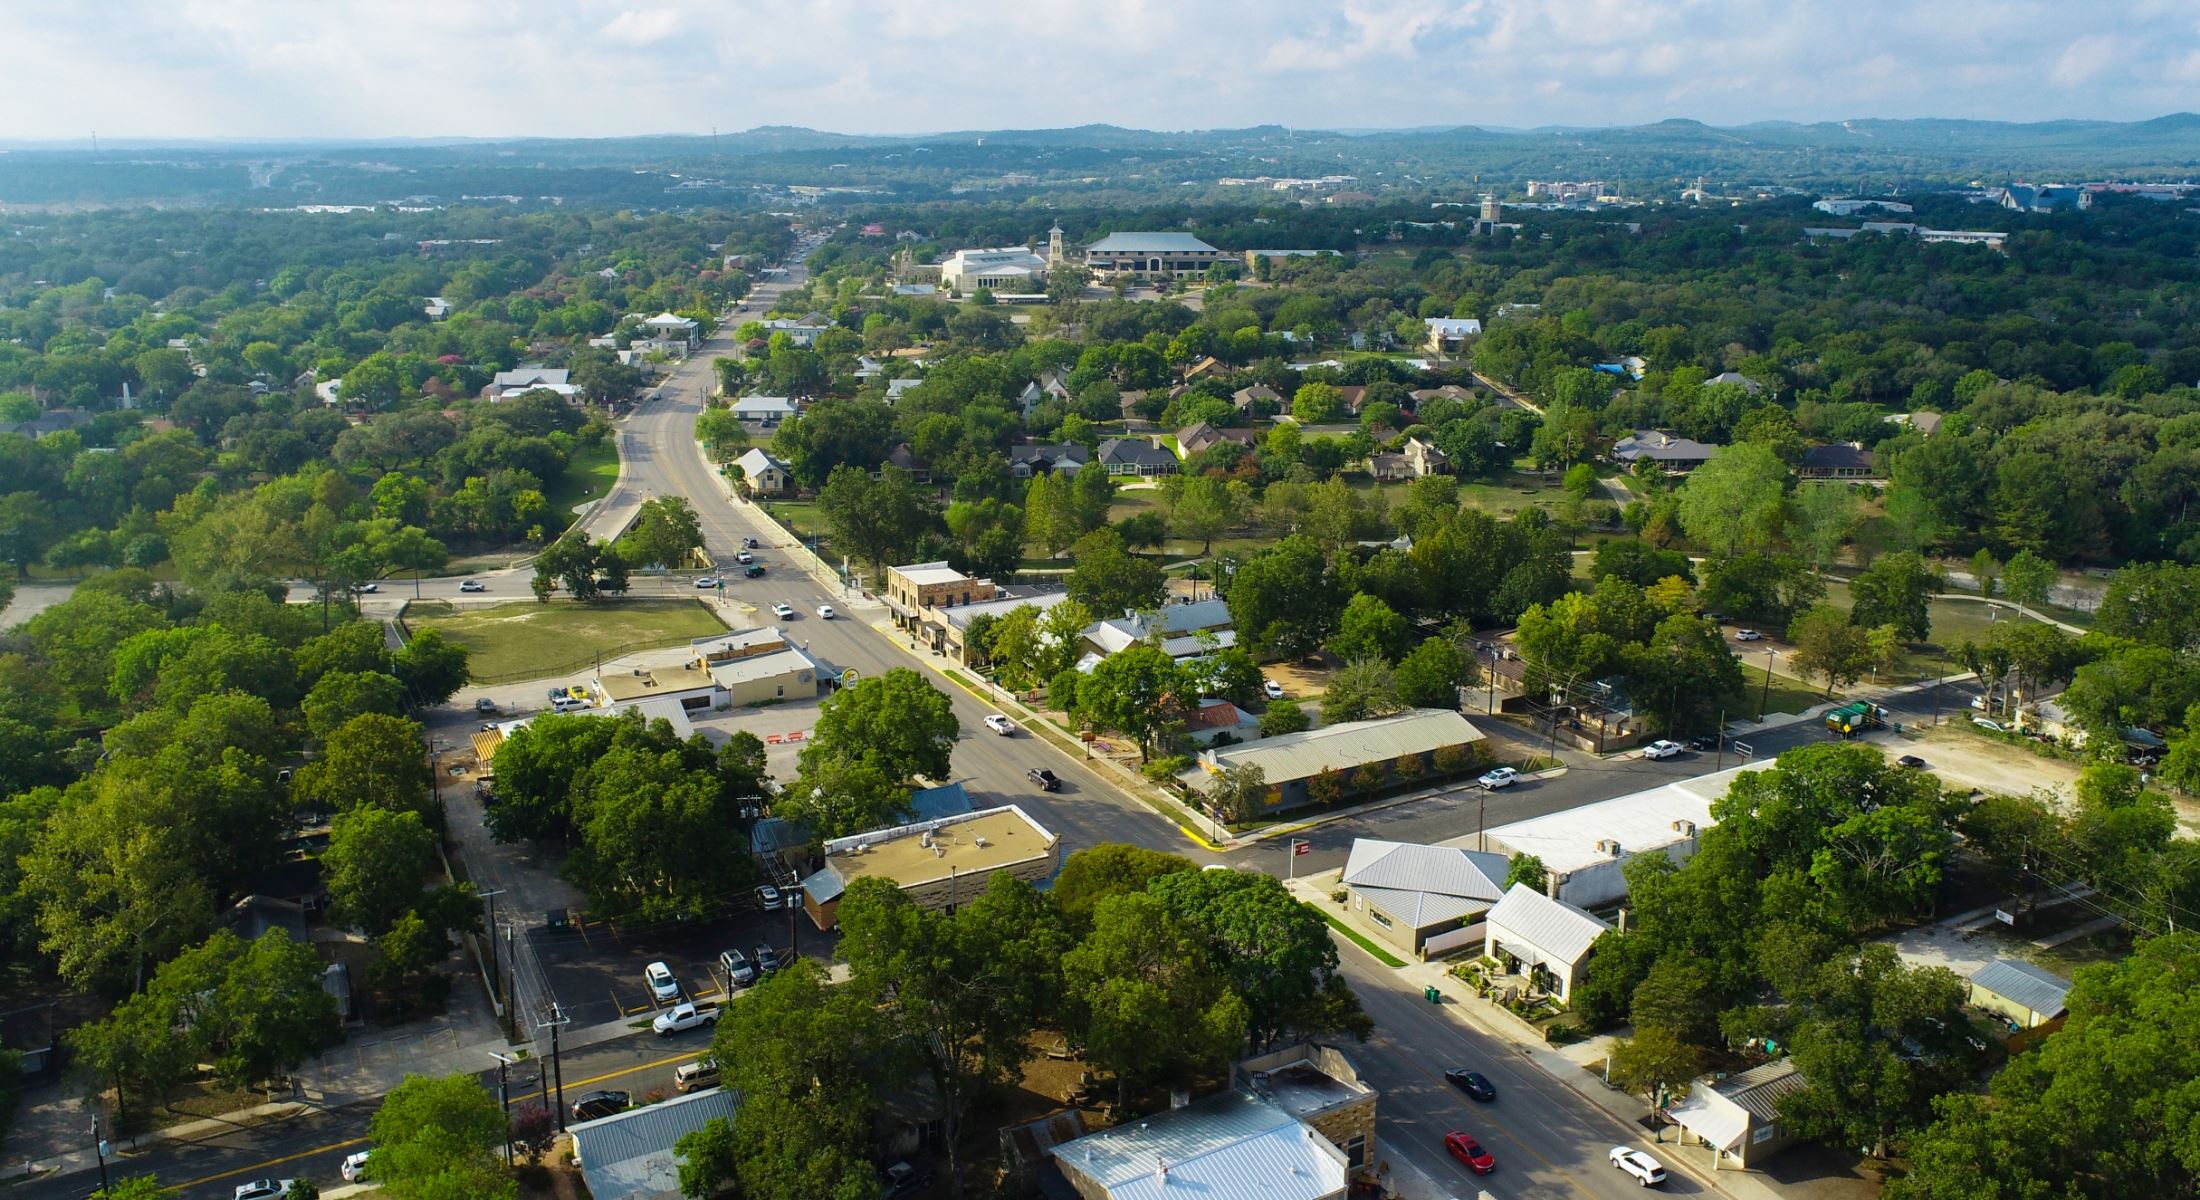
{"x": 374, "y": 68}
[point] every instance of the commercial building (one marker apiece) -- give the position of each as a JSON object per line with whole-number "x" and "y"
{"x": 1410, "y": 740}
{"x": 1320, "y": 1086}
{"x": 1849, "y": 207}
{"x": 1738, "y": 1117}
{"x": 632, "y": 1156}
{"x": 957, "y": 620}
{"x": 1230, "y": 1145}
{"x": 784, "y": 674}
{"x": 938, "y": 864}
{"x": 688, "y": 684}
{"x": 1178, "y": 624}
{"x": 1008, "y": 269}
{"x": 1547, "y": 940}
{"x": 917, "y": 593}
{"x": 2020, "y": 993}
{"x": 1428, "y": 901}
{"x": 1152, "y": 255}
{"x": 1585, "y": 848}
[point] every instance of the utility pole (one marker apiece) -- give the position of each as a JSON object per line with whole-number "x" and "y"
{"x": 504, "y": 1097}
{"x": 1719, "y": 764}
{"x": 99, "y": 1148}
{"x": 511, "y": 981}
{"x": 1765, "y": 697}
{"x": 496, "y": 967}
{"x": 557, "y": 1065}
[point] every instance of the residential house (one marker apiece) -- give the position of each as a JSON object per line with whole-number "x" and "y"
{"x": 801, "y": 331}
{"x": 1450, "y": 391}
{"x": 1926, "y": 423}
{"x": 1413, "y": 461}
{"x": 1837, "y": 460}
{"x": 1428, "y": 901}
{"x": 1676, "y": 454}
{"x": 330, "y": 392}
{"x": 507, "y": 384}
{"x": 1738, "y": 1117}
{"x": 1135, "y": 456}
{"x": 2024, "y": 995}
{"x": 895, "y": 388}
{"x": 53, "y": 420}
{"x": 901, "y": 457}
{"x": 1047, "y": 387}
{"x": 763, "y": 410}
{"x": 1207, "y": 365}
{"x": 1545, "y": 938}
{"x": 1409, "y": 740}
{"x": 1584, "y": 849}
{"x": 764, "y": 474}
{"x": 1151, "y": 255}
{"x": 1026, "y": 459}
{"x": 1196, "y": 439}
{"x": 1215, "y": 1147}
{"x": 1179, "y": 627}
{"x": 632, "y": 1155}
{"x": 680, "y": 335}
{"x": 436, "y": 307}
{"x": 868, "y": 367}
{"x": 1450, "y": 335}
{"x": 1211, "y": 718}
{"x": 1259, "y": 398}
{"x": 1739, "y": 380}
{"x": 938, "y": 864}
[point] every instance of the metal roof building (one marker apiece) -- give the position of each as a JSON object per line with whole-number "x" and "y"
{"x": 1291, "y": 759}
{"x": 1547, "y": 937}
{"x": 2026, "y": 995}
{"x": 1426, "y": 900}
{"x": 630, "y": 1156}
{"x": 1584, "y": 848}
{"x": 1231, "y": 1146}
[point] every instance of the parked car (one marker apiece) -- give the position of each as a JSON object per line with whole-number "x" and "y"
{"x": 783, "y": 610}
{"x": 566, "y": 704}
{"x": 1274, "y": 689}
{"x": 901, "y": 1179}
{"x": 767, "y": 960}
{"x": 706, "y": 583}
{"x": 754, "y": 571}
{"x": 1500, "y": 777}
{"x": 1647, "y": 1171}
{"x": 701, "y": 1073}
{"x": 1704, "y": 741}
{"x": 664, "y": 986}
{"x": 370, "y": 587}
{"x": 1047, "y": 780}
{"x": 737, "y": 967}
{"x": 1661, "y": 749}
{"x": 744, "y": 557}
{"x": 1989, "y": 725}
{"x": 1470, "y": 1152}
{"x": 1472, "y": 1083}
{"x": 767, "y": 897}
{"x": 682, "y": 1017}
{"x": 354, "y": 1168}
{"x": 472, "y": 585}
{"x": 1912, "y": 761}
{"x": 1000, "y": 724}
{"x": 824, "y": 612}
{"x": 600, "y": 1104}
{"x": 1748, "y": 635}
{"x": 264, "y": 1189}
{"x": 485, "y": 705}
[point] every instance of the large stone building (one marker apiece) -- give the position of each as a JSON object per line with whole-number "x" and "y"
{"x": 1152, "y": 255}
{"x": 915, "y": 592}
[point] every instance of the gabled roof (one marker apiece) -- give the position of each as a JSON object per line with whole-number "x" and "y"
{"x": 531, "y": 377}
{"x": 1259, "y": 391}
{"x": 1558, "y": 929}
{"x": 768, "y": 405}
{"x": 1150, "y": 243}
{"x": 1839, "y": 456}
{"x": 1454, "y": 326}
{"x": 757, "y": 461}
{"x": 1345, "y": 746}
{"x": 1409, "y": 867}
{"x": 632, "y": 1153}
{"x": 2032, "y": 988}
{"x": 1659, "y": 446}
{"x": 1738, "y": 379}
{"x": 1048, "y": 451}
{"x": 1231, "y": 1146}
{"x": 1137, "y": 451}
{"x": 1759, "y": 1089}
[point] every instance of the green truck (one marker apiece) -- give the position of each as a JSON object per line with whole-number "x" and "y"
{"x": 1854, "y": 718}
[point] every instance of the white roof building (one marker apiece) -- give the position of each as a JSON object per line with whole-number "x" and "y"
{"x": 1231, "y": 1146}
{"x": 1584, "y": 848}
{"x": 631, "y": 1155}
{"x": 1008, "y": 269}
{"x": 1539, "y": 932}
{"x": 1426, "y": 895}
{"x": 768, "y": 409}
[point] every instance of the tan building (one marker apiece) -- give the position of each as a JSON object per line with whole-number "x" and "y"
{"x": 916, "y": 593}
{"x": 689, "y": 683}
{"x": 1738, "y": 1118}
{"x": 938, "y": 864}
{"x": 1152, "y": 255}
{"x": 2024, "y": 995}
{"x": 784, "y": 674}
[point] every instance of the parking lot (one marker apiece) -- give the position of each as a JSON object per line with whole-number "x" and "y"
{"x": 595, "y": 967}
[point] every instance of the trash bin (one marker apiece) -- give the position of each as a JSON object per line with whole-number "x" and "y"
{"x": 1434, "y": 996}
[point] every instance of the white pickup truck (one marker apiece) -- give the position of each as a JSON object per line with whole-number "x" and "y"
{"x": 681, "y": 1017}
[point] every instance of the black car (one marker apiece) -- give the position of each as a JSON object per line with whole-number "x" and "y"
{"x": 748, "y": 543}
{"x": 600, "y": 1104}
{"x": 1912, "y": 761}
{"x": 1047, "y": 780}
{"x": 901, "y": 1179}
{"x": 1472, "y": 1083}
{"x": 767, "y": 960}
{"x": 1704, "y": 741}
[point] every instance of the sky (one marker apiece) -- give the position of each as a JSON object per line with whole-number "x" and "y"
{"x": 596, "y": 68}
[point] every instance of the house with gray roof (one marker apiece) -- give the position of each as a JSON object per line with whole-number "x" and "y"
{"x": 1837, "y": 460}
{"x": 1676, "y": 454}
{"x": 2020, "y": 993}
{"x": 1739, "y": 380}
{"x": 1405, "y": 745}
{"x": 1135, "y": 456}
{"x": 1545, "y": 939}
{"x": 763, "y": 410}
{"x": 1427, "y": 901}
{"x": 1026, "y": 459}
{"x": 1152, "y": 255}
{"x": 1738, "y": 1117}
{"x": 765, "y": 475}
{"x": 631, "y": 1155}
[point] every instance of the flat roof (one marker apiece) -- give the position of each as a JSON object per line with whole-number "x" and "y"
{"x": 761, "y": 666}
{"x": 962, "y": 614}
{"x": 1567, "y": 841}
{"x": 1299, "y": 755}
{"x": 921, "y": 574}
{"x": 1303, "y": 1089}
{"x": 741, "y": 639}
{"x": 968, "y": 844}
{"x": 641, "y": 684}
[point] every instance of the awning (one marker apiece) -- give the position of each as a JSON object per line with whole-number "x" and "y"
{"x": 485, "y": 746}
{"x": 897, "y": 607}
{"x": 1525, "y": 953}
{"x": 1722, "y": 1125}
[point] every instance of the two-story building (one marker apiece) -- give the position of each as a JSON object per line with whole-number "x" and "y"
{"x": 1149, "y": 255}
{"x": 917, "y": 593}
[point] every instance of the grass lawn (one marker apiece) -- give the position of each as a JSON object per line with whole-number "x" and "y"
{"x": 526, "y": 640}
{"x": 799, "y": 516}
{"x": 588, "y": 474}
{"x": 2107, "y": 945}
{"x": 1786, "y": 696}
{"x": 1953, "y": 623}
{"x": 1381, "y": 955}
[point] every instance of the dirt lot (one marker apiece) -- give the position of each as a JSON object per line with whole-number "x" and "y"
{"x": 1961, "y": 758}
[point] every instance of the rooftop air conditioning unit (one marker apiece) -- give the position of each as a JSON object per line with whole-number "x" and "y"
{"x": 982, "y": 843}
{"x": 1685, "y": 828}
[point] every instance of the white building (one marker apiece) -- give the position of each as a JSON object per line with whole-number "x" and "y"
{"x": 1849, "y": 207}
{"x": 670, "y": 332}
{"x": 764, "y": 410}
{"x": 1585, "y": 848}
{"x": 1450, "y": 335}
{"x": 1007, "y": 269}
{"x": 1550, "y": 938}
{"x": 1229, "y": 1145}
{"x": 508, "y": 384}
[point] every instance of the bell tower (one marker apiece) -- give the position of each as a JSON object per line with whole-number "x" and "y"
{"x": 1055, "y": 254}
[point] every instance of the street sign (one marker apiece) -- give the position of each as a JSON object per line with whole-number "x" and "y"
{"x": 1298, "y": 848}
{"x": 1743, "y": 749}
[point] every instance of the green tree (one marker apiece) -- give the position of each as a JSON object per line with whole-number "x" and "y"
{"x": 438, "y": 1136}
{"x": 874, "y": 521}
{"x": 1878, "y": 1043}
{"x": 1370, "y": 628}
{"x": 835, "y": 796}
{"x": 1142, "y": 994}
{"x": 1275, "y": 952}
{"x": 1896, "y": 590}
{"x": 897, "y": 721}
{"x": 1283, "y": 716}
{"x": 1317, "y": 404}
{"x": 137, "y": 1187}
{"x": 666, "y": 532}
{"x": 1285, "y": 600}
{"x": 1241, "y": 791}
{"x": 1527, "y": 869}
{"x": 658, "y": 826}
{"x": 1732, "y": 503}
{"x": 371, "y": 759}
{"x": 376, "y": 866}
{"x": 431, "y": 666}
{"x": 1110, "y": 579}
{"x": 341, "y": 695}
{"x": 1656, "y": 1064}
{"x": 1826, "y": 643}
{"x": 1821, "y": 517}
{"x": 1139, "y": 692}
{"x": 1679, "y": 998}
{"x": 1684, "y": 675}
{"x": 2028, "y": 578}
{"x": 1362, "y": 688}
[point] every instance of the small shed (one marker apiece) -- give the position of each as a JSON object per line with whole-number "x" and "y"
{"x": 2024, "y": 995}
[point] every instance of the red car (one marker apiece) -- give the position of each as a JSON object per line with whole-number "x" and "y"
{"x": 1470, "y": 1152}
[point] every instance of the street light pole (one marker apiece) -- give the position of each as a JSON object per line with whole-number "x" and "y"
{"x": 1765, "y": 697}
{"x": 504, "y": 1097}
{"x": 99, "y": 1148}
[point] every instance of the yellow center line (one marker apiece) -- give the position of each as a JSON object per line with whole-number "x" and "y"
{"x": 651, "y": 1065}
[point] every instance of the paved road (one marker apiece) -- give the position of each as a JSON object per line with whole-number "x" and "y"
{"x": 315, "y": 1144}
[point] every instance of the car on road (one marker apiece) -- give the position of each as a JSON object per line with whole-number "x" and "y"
{"x": 354, "y": 1167}
{"x": 664, "y": 986}
{"x": 1704, "y": 741}
{"x": 701, "y": 1073}
{"x": 473, "y": 585}
{"x": 1047, "y": 780}
{"x": 754, "y": 571}
{"x": 824, "y": 612}
{"x": 1748, "y": 635}
{"x": 783, "y": 610}
{"x": 1472, "y": 1083}
{"x": 370, "y": 587}
{"x": 1911, "y": 761}
{"x": 737, "y": 967}
{"x": 263, "y": 1189}
{"x": 683, "y": 1017}
{"x": 901, "y": 1179}
{"x": 744, "y": 557}
{"x": 1470, "y": 1152}
{"x": 767, "y": 959}
{"x": 706, "y": 583}
{"x": 749, "y": 543}
{"x": 767, "y": 898}
{"x": 1274, "y": 689}
{"x": 600, "y": 1104}
{"x": 1000, "y": 724}
{"x": 1648, "y": 1172}
{"x": 1661, "y": 749}
{"x": 1500, "y": 777}
{"x": 485, "y": 705}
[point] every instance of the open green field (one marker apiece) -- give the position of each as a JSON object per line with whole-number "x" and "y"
{"x": 526, "y": 640}
{"x": 1786, "y": 695}
{"x": 588, "y": 474}
{"x": 1954, "y": 622}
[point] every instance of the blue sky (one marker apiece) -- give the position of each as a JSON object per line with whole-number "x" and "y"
{"x": 583, "y": 68}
